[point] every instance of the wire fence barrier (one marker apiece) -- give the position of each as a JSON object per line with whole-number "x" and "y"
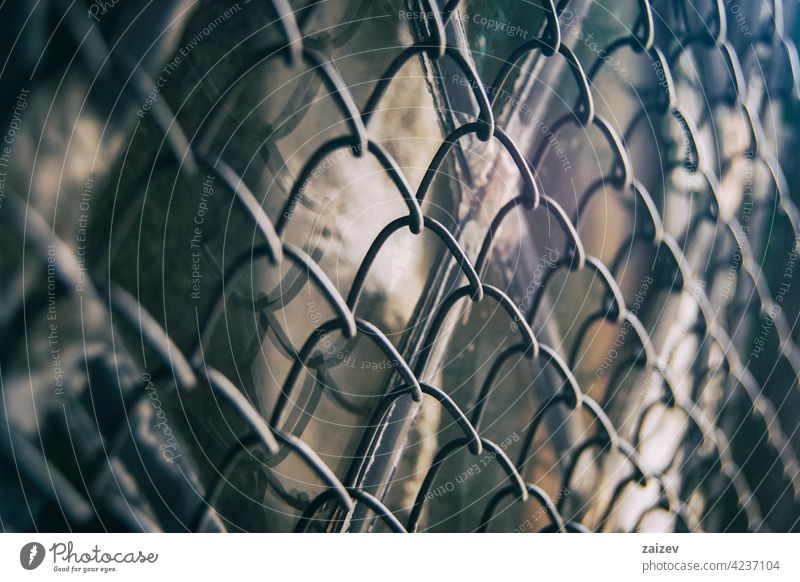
{"x": 400, "y": 266}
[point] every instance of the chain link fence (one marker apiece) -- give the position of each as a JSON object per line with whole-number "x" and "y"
{"x": 399, "y": 266}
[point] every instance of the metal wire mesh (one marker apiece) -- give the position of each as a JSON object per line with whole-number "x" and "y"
{"x": 666, "y": 401}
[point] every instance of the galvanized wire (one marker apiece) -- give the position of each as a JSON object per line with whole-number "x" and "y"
{"x": 708, "y": 484}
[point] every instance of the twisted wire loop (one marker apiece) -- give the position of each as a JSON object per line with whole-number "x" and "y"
{"x": 730, "y": 458}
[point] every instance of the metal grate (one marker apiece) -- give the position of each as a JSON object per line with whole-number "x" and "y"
{"x": 615, "y": 435}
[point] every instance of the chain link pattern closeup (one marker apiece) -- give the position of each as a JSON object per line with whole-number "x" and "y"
{"x": 525, "y": 278}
